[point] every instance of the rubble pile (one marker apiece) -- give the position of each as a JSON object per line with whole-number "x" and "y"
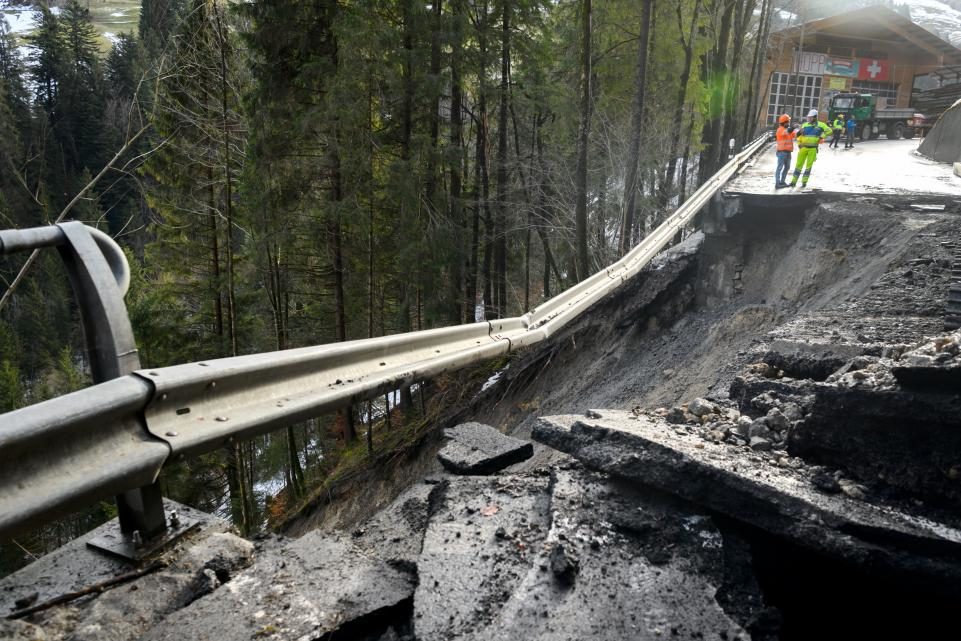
{"x": 943, "y": 351}
{"x": 765, "y": 429}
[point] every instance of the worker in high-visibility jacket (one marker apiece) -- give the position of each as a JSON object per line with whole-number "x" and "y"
{"x": 785, "y": 136}
{"x": 837, "y": 126}
{"x": 809, "y": 136}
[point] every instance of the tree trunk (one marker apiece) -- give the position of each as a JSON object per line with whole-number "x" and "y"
{"x": 434, "y": 119}
{"x": 714, "y": 128}
{"x": 667, "y": 181}
{"x": 458, "y": 312}
{"x": 760, "y": 49}
{"x": 637, "y": 119}
{"x": 228, "y": 187}
{"x": 234, "y": 471}
{"x": 742, "y": 19}
{"x": 583, "y": 137}
{"x": 407, "y": 126}
{"x": 296, "y": 471}
{"x": 215, "y": 265}
{"x": 500, "y": 225}
{"x": 544, "y": 212}
{"x": 482, "y": 142}
{"x": 337, "y": 266}
{"x": 682, "y": 194}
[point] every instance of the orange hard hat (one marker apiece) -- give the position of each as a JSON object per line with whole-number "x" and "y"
{"x": 784, "y": 118}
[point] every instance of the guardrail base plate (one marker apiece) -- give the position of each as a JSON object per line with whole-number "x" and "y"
{"x": 113, "y": 541}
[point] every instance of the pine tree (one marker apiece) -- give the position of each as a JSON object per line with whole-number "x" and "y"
{"x": 158, "y": 21}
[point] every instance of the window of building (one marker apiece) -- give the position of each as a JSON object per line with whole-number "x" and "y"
{"x": 803, "y": 91}
{"x": 887, "y": 90}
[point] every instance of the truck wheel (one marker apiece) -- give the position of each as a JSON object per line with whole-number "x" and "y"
{"x": 908, "y": 133}
{"x": 896, "y": 131}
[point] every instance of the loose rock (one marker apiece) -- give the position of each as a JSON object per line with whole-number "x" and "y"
{"x": 475, "y": 448}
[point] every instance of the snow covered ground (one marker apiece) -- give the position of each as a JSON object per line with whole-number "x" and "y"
{"x": 110, "y": 18}
{"x": 874, "y": 167}
{"x": 21, "y": 18}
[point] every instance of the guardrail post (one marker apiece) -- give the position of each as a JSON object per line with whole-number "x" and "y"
{"x": 113, "y": 353}
{"x": 99, "y": 287}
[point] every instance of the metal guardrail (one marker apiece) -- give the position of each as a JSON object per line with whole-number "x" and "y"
{"x": 61, "y": 454}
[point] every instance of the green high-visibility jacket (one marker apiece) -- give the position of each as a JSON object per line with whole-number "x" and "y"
{"x": 811, "y": 133}
{"x": 838, "y": 124}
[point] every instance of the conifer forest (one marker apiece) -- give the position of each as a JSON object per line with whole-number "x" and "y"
{"x": 285, "y": 173}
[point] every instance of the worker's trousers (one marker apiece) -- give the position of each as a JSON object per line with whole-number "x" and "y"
{"x": 783, "y": 166}
{"x": 805, "y": 159}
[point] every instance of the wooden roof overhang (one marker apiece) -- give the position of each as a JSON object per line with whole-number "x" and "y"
{"x": 880, "y": 25}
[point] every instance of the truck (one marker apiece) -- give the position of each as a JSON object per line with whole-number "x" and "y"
{"x": 871, "y": 121}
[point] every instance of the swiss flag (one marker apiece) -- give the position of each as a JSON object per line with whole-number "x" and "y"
{"x": 873, "y": 69}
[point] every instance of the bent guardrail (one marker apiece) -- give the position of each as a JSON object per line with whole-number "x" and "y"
{"x": 61, "y": 454}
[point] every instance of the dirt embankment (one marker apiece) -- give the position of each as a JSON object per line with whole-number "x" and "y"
{"x": 769, "y": 270}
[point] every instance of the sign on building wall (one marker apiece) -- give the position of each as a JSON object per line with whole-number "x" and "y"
{"x": 873, "y": 69}
{"x": 839, "y": 84}
{"x": 842, "y": 67}
{"x": 811, "y": 63}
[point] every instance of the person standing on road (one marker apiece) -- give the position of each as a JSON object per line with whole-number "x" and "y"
{"x": 837, "y": 127}
{"x": 785, "y": 145}
{"x": 809, "y": 136}
{"x": 851, "y": 127}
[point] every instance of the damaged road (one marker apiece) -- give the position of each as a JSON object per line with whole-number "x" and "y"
{"x": 781, "y": 460}
{"x": 783, "y": 499}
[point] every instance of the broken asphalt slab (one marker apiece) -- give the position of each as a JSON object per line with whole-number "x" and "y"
{"x": 306, "y": 588}
{"x": 395, "y": 534}
{"x": 780, "y": 500}
{"x": 475, "y": 448}
{"x": 75, "y": 566}
{"x": 572, "y": 555}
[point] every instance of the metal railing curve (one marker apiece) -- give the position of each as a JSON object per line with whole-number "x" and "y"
{"x": 61, "y": 454}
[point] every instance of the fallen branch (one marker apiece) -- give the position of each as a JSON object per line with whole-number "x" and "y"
{"x": 90, "y": 589}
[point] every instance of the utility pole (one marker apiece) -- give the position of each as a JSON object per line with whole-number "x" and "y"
{"x": 798, "y": 54}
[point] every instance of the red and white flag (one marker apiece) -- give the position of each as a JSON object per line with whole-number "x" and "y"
{"x": 873, "y": 69}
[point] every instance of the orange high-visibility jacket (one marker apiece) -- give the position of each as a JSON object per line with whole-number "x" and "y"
{"x": 785, "y": 139}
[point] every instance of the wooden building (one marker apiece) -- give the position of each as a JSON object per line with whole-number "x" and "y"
{"x": 872, "y": 50}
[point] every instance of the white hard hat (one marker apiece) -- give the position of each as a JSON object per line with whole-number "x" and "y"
{"x": 813, "y": 112}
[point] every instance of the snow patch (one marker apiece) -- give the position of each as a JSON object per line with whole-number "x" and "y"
{"x": 490, "y": 382}
{"x": 22, "y": 19}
